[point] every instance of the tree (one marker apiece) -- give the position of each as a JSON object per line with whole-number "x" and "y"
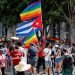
{"x": 54, "y": 12}
{"x": 10, "y": 10}
{"x": 58, "y": 11}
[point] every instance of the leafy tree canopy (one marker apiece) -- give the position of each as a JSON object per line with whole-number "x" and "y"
{"x": 10, "y": 10}
{"x": 52, "y": 10}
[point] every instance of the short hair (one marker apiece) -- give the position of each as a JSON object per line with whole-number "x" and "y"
{"x": 16, "y": 47}
{"x": 19, "y": 43}
{"x": 31, "y": 44}
{"x": 47, "y": 44}
{"x": 73, "y": 44}
{"x": 64, "y": 50}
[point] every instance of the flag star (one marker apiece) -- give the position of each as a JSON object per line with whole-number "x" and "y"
{"x": 37, "y": 23}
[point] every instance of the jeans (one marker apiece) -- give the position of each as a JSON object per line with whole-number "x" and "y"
{"x": 13, "y": 70}
{"x": 53, "y": 71}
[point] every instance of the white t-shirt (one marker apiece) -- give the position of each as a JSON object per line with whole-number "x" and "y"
{"x": 25, "y": 54}
{"x": 21, "y": 49}
{"x": 48, "y": 52}
{"x": 24, "y": 51}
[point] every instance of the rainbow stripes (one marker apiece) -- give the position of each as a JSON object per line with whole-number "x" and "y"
{"x": 33, "y": 10}
{"x": 31, "y": 39}
{"x": 31, "y": 17}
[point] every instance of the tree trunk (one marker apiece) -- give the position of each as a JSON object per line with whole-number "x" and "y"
{"x": 72, "y": 25}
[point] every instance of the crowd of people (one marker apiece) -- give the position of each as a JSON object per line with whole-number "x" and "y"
{"x": 45, "y": 57}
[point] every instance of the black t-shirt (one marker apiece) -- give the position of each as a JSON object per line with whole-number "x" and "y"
{"x": 67, "y": 62}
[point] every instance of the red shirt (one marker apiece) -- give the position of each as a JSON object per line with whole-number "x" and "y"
{"x": 14, "y": 54}
{"x": 41, "y": 53}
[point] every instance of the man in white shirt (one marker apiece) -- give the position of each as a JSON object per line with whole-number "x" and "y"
{"x": 48, "y": 63}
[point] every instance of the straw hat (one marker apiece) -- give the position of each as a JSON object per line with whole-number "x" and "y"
{"x": 22, "y": 66}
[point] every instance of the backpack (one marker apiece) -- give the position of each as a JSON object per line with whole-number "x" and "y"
{"x": 67, "y": 62}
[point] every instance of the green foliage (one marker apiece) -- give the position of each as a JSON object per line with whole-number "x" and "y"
{"x": 52, "y": 10}
{"x": 57, "y": 11}
{"x": 10, "y": 10}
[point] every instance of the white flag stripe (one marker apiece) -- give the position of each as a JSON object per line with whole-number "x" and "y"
{"x": 26, "y": 31}
{"x": 26, "y": 25}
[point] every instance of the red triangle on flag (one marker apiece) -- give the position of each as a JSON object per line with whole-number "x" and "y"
{"x": 38, "y": 23}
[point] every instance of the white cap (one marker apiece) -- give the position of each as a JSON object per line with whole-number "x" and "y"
{"x": 56, "y": 46}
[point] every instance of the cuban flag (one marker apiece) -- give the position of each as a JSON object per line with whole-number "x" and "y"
{"x": 27, "y": 27}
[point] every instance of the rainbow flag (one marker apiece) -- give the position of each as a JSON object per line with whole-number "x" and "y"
{"x": 32, "y": 11}
{"x": 31, "y": 39}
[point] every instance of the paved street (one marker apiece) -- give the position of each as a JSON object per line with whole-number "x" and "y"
{"x": 10, "y": 72}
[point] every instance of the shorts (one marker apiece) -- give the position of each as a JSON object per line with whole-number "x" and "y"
{"x": 32, "y": 61}
{"x": 58, "y": 60}
{"x": 48, "y": 64}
